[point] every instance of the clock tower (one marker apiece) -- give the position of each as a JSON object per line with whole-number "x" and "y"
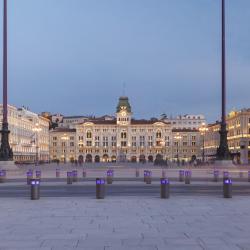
{"x": 123, "y": 111}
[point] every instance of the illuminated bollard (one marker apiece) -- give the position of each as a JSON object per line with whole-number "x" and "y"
{"x": 100, "y": 188}
{"x": 38, "y": 174}
{"x": 84, "y": 173}
{"x": 181, "y": 175}
{"x": 57, "y": 173}
{"x": 110, "y": 177}
{"x": 148, "y": 177}
{"x": 225, "y": 175}
{"x": 74, "y": 176}
{"x": 145, "y": 175}
{"x": 187, "y": 177}
{"x": 216, "y": 175}
{"x": 34, "y": 189}
{"x": 137, "y": 173}
{"x": 227, "y": 188}
{"x": 69, "y": 178}
{"x": 164, "y": 188}
{"x": 29, "y": 175}
{"x": 2, "y": 176}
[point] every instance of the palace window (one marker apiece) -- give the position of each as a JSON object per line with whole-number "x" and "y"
{"x": 89, "y": 134}
{"x": 123, "y": 135}
{"x": 158, "y": 134}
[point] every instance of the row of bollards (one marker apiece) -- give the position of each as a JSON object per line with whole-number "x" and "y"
{"x": 184, "y": 176}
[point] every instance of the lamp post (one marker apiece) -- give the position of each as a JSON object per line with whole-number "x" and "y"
{"x": 6, "y": 153}
{"x": 223, "y": 150}
{"x": 177, "y": 138}
{"x": 65, "y": 138}
{"x": 203, "y": 129}
{"x": 37, "y": 129}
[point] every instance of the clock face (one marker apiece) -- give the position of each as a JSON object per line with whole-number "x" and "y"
{"x": 123, "y": 113}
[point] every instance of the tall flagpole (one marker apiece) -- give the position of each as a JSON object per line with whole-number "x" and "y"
{"x": 6, "y": 153}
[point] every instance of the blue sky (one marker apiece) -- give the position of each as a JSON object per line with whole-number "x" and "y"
{"x": 73, "y": 56}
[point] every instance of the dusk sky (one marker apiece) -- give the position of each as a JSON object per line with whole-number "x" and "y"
{"x": 73, "y": 56}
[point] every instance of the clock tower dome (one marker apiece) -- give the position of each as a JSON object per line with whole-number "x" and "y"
{"x": 123, "y": 111}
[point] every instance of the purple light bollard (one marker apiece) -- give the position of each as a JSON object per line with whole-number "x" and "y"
{"x": 69, "y": 178}
{"x": 100, "y": 188}
{"x": 38, "y": 174}
{"x": 57, "y": 173}
{"x": 148, "y": 177}
{"x": 181, "y": 175}
{"x": 2, "y": 177}
{"x": 216, "y": 175}
{"x": 227, "y": 188}
{"x": 145, "y": 175}
{"x": 110, "y": 177}
{"x": 187, "y": 177}
{"x": 74, "y": 176}
{"x": 29, "y": 175}
{"x": 34, "y": 189}
{"x": 84, "y": 173}
{"x": 165, "y": 188}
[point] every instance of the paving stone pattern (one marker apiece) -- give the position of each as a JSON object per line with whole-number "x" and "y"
{"x": 125, "y": 223}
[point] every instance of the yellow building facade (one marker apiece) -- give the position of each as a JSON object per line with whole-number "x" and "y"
{"x": 238, "y": 126}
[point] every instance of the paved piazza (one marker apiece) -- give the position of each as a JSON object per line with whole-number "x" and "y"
{"x": 125, "y": 223}
{"x": 144, "y": 222}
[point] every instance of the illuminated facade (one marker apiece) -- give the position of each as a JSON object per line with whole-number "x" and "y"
{"x": 29, "y": 134}
{"x": 238, "y": 126}
{"x": 123, "y": 138}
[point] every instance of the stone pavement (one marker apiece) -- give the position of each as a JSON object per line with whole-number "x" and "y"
{"x": 131, "y": 223}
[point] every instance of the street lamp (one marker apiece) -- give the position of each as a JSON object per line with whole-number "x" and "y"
{"x": 6, "y": 153}
{"x": 203, "y": 129}
{"x": 65, "y": 138}
{"x": 223, "y": 150}
{"x": 37, "y": 129}
{"x": 177, "y": 138}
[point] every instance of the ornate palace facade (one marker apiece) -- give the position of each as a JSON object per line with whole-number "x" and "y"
{"x": 123, "y": 139}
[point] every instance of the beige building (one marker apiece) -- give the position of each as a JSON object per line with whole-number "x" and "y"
{"x": 63, "y": 144}
{"x": 187, "y": 122}
{"x": 122, "y": 138}
{"x": 29, "y": 134}
{"x": 238, "y": 126}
